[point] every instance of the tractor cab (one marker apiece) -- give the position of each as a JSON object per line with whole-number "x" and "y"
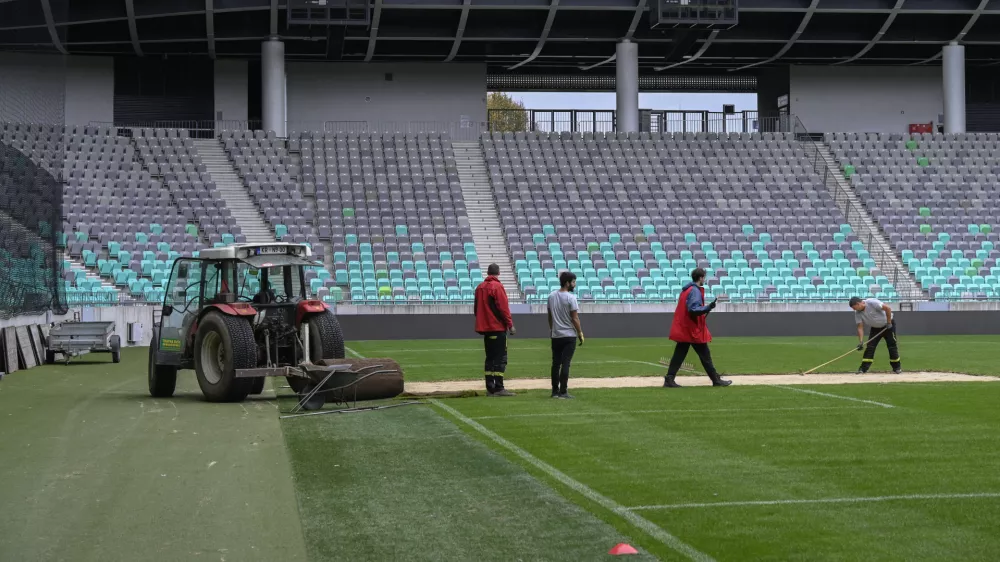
{"x": 237, "y": 314}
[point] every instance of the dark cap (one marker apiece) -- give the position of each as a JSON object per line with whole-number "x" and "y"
{"x": 855, "y": 300}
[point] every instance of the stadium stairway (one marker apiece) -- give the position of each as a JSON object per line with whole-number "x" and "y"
{"x": 863, "y": 224}
{"x": 483, "y": 218}
{"x": 244, "y": 210}
{"x": 77, "y": 265}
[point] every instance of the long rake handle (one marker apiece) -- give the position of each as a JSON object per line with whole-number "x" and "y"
{"x": 853, "y": 349}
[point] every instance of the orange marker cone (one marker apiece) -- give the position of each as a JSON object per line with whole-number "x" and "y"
{"x": 622, "y": 548}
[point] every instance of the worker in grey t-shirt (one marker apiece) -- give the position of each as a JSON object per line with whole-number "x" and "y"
{"x": 565, "y": 330}
{"x": 881, "y": 324}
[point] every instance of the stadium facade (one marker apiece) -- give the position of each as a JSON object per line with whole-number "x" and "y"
{"x": 362, "y": 128}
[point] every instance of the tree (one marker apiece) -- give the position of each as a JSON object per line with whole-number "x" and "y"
{"x": 506, "y": 115}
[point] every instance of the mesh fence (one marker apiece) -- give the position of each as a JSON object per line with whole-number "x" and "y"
{"x": 32, "y": 156}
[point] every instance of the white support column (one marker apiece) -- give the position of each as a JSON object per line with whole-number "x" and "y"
{"x": 273, "y": 105}
{"x": 953, "y": 76}
{"x": 627, "y": 86}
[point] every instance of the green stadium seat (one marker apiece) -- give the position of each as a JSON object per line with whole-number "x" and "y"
{"x": 280, "y": 231}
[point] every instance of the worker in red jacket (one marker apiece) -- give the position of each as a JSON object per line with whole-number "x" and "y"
{"x": 690, "y": 329}
{"x": 493, "y": 322}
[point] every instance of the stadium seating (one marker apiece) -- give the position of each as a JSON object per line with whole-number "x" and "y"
{"x": 392, "y": 208}
{"x": 633, "y": 214}
{"x": 170, "y": 155}
{"x": 936, "y": 198}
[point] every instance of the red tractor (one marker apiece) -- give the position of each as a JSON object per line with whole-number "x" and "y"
{"x": 238, "y": 314}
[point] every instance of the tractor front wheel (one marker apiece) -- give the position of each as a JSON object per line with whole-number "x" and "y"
{"x": 223, "y": 345}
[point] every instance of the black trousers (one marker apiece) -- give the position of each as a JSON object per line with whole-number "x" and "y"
{"x": 874, "y": 338}
{"x": 496, "y": 352}
{"x": 562, "y": 355}
{"x": 681, "y": 351}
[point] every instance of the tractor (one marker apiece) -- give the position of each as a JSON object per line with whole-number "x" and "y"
{"x": 239, "y": 313}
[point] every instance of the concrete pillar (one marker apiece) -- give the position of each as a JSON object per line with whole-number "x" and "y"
{"x": 273, "y": 105}
{"x": 953, "y": 66}
{"x": 627, "y": 86}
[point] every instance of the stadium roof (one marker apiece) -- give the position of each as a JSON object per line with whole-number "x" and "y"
{"x": 526, "y": 36}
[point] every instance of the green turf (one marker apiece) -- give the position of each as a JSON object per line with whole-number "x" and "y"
{"x": 651, "y": 447}
{"x": 93, "y": 469}
{"x": 406, "y": 484}
{"x": 438, "y": 360}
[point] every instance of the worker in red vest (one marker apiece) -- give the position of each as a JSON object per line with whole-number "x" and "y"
{"x": 690, "y": 329}
{"x": 494, "y": 323}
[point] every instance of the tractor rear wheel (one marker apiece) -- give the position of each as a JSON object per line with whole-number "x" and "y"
{"x": 162, "y": 378}
{"x": 258, "y": 385}
{"x": 326, "y": 341}
{"x": 223, "y": 345}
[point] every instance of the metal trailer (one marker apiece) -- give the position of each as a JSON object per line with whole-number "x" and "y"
{"x": 78, "y": 338}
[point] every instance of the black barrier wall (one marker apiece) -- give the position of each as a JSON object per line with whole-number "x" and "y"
{"x": 30, "y": 224}
{"x": 647, "y": 325}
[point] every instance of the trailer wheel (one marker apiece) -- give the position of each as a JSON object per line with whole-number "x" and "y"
{"x": 50, "y": 357}
{"x": 223, "y": 345}
{"x": 116, "y": 349}
{"x": 162, "y": 378}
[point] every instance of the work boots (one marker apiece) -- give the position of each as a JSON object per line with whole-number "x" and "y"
{"x": 719, "y": 381}
{"x": 669, "y": 382}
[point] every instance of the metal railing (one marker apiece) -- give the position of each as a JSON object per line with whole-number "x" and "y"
{"x": 862, "y": 226}
{"x": 650, "y": 121}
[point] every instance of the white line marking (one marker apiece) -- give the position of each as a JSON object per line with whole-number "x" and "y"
{"x": 819, "y": 501}
{"x": 638, "y": 521}
{"x": 354, "y": 353}
{"x": 817, "y": 393}
{"x": 612, "y": 413}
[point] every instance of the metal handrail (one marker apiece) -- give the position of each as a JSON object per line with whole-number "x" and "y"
{"x": 868, "y": 235}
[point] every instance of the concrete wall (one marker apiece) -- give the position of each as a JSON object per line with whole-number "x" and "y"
{"x": 56, "y": 89}
{"x": 231, "y": 90}
{"x": 419, "y": 92}
{"x": 865, "y": 99}
{"x": 90, "y": 90}
{"x": 32, "y": 88}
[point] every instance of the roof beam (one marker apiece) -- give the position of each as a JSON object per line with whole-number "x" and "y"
{"x": 961, "y": 34}
{"x": 795, "y": 37}
{"x": 460, "y": 31}
{"x": 553, "y": 8}
{"x": 373, "y": 37}
{"x": 885, "y": 27}
{"x": 694, "y": 57}
{"x": 639, "y": 10}
{"x": 51, "y": 24}
{"x": 210, "y": 28}
{"x": 133, "y": 30}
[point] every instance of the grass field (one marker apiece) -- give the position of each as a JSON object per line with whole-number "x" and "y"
{"x": 440, "y": 360}
{"x": 91, "y": 468}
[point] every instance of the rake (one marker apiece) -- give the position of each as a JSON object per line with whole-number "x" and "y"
{"x": 839, "y": 357}
{"x": 685, "y": 366}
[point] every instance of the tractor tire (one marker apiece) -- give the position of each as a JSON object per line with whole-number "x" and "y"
{"x": 326, "y": 341}
{"x": 162, "y": 378}
{"x": 258, "y": 385}
{"x": 116, "y": 349}
{"x": 223, "y": 345}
